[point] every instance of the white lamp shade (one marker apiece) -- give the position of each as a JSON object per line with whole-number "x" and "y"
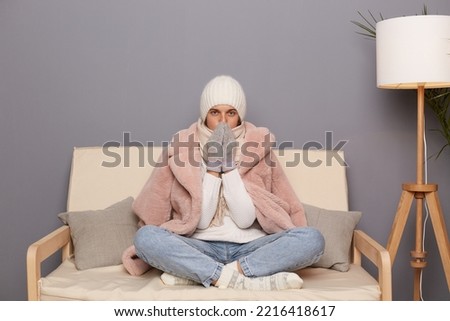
{"x": 413, "y": 51}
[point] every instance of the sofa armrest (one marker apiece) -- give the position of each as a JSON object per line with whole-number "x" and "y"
{"x": 378, "y": 255}
{"x": 40, "y": 251}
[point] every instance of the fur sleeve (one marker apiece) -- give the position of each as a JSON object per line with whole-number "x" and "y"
{"x": 277, "y": 205}
{"x": 152, "y": 205}
{"x": 282, "y": 188}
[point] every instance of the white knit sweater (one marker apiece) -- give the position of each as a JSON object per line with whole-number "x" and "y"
{"x": 239, "y": 221}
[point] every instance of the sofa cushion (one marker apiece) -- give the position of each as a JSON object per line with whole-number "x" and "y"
{"x": 114, "y": 283}
{"x": 337, "y": 228}
{"x": 100, "y": 236}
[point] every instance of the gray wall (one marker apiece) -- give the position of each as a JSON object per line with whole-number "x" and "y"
{"x": 80, "y": 73}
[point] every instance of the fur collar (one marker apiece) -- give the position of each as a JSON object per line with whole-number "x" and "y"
{"x": 185, "y": 150}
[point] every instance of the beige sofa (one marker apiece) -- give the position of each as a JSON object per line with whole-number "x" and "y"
{"x": 318, "y": 177}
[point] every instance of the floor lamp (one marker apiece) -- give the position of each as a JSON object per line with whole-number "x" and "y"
{"x": 414, "y": 53}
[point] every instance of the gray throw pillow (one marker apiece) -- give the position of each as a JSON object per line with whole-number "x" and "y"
{"x": 100, "y": 236}
{"x": 337, "y": 228}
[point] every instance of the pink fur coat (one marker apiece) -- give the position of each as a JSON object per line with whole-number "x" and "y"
{"x": 171, "y": 198}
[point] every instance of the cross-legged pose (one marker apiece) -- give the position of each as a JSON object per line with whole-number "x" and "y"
{"x": 218, "y": 209}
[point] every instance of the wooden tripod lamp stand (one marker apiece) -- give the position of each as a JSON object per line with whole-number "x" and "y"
{"x": 414, "y": 53}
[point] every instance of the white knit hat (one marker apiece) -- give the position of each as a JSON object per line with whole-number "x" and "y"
{"x": 223, "y": 90}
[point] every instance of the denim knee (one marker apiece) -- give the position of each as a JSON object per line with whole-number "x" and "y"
{"x": 146, "y": 236}
{"x": 311, "y": 236}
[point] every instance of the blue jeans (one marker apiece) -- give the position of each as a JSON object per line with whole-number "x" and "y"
{"x": 202, "y": 261}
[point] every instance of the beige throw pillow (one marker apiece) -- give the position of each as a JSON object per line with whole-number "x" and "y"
{"x": 100, "y": 236}
{"x": 337, "y": 228}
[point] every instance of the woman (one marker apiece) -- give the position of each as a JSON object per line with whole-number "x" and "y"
{"x": 220, "y": 210}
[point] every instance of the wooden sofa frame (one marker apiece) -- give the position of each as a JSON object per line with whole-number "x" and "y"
{"x": 59, "y": 241}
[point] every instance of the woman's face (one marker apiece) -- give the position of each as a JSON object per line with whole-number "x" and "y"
{"x": 222, "y": 113}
